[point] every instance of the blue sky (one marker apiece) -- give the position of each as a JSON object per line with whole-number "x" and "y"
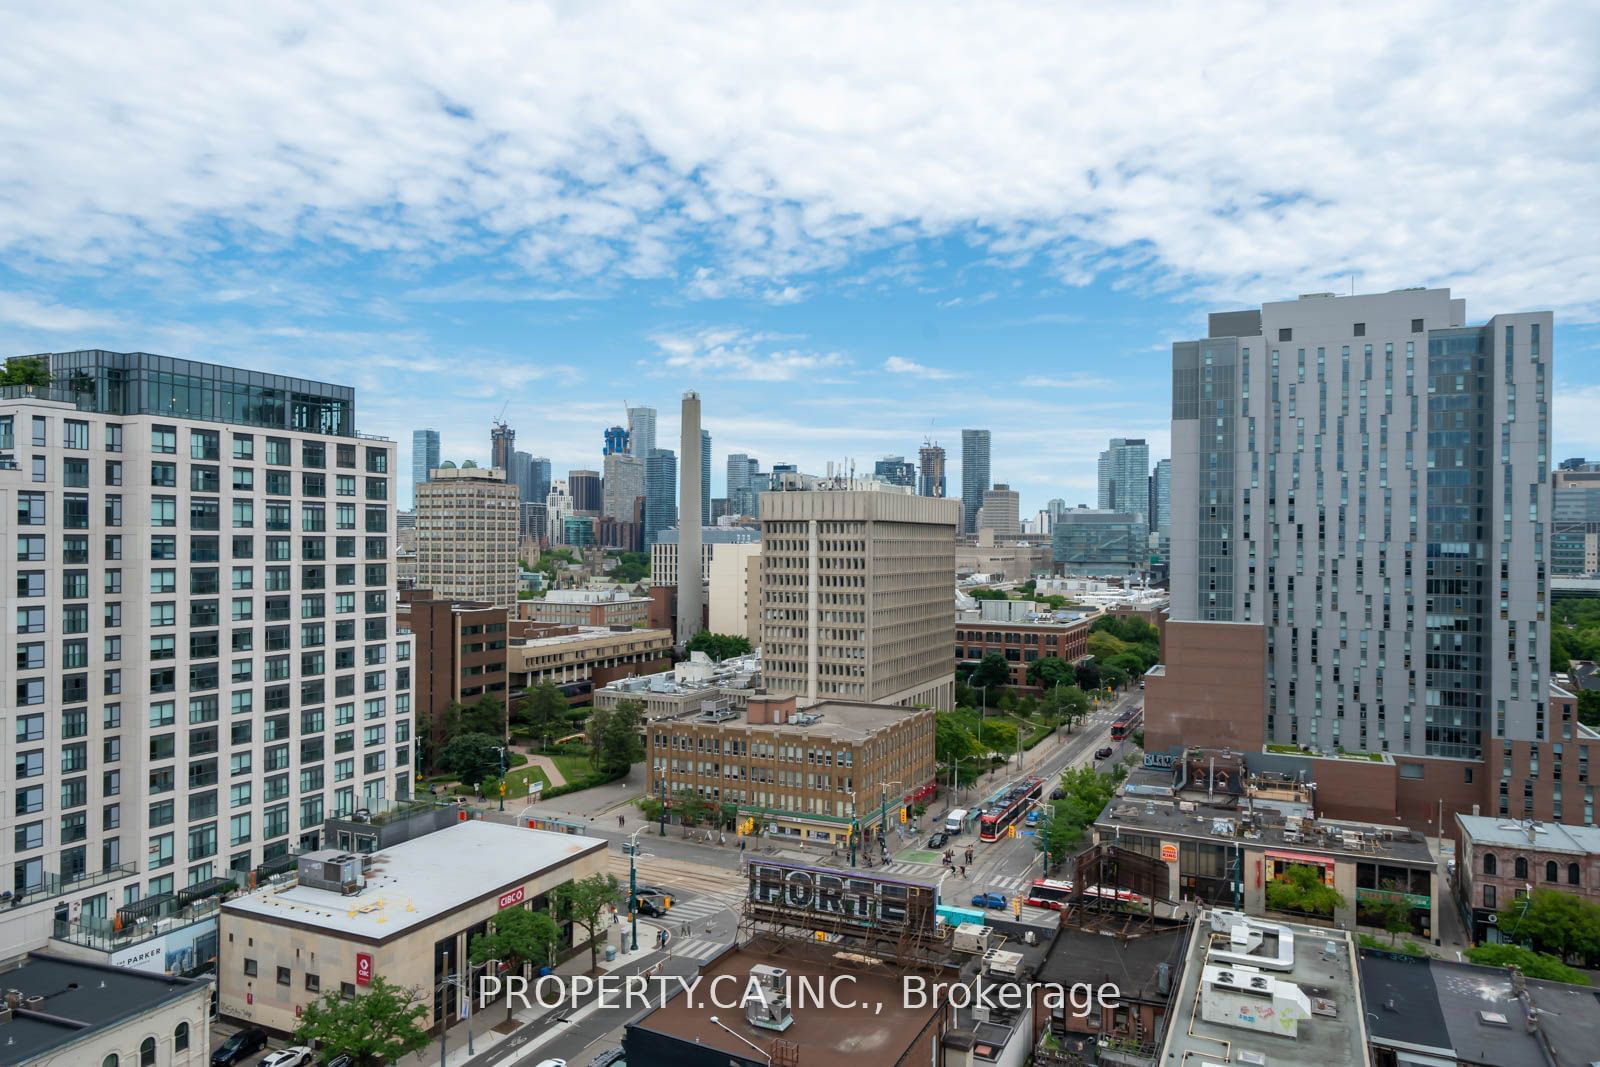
{"x": 850, "y": 227}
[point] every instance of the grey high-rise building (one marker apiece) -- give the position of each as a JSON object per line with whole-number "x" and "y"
{"x": 502, "y": 443}
{"x": 424, "y": 456}
{"x": 1366, "y": 478}
{"x": 896, "y": 471}
{"x": 660, "y": 492}
{"x": 1000, "y": 511}
{"x": 930, "y": 470}
{"x": 974, "y": 476}
{"x": 642, "y": 431}
{"x": 743, "y": 475}
{"x": 624, "y": 483}
{"x": 1160, "y": 515}
{"x": 539, "y": 475}
{"x": 1125, "y": 476}
{"x": 521, "y": 475}
{"x": 705, "y": 475}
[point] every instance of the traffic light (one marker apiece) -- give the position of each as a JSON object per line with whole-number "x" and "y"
{"x": 666, "y": 903}
{"x": 1011, "y": 831}
{"x": 902, "y": 815}
{"x": 502, "y": 789}
{"x": 1016, "y": 905}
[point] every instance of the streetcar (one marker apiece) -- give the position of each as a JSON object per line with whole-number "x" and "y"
{"x": 1127, "y": 724}
{"x": 1007, "y": 807}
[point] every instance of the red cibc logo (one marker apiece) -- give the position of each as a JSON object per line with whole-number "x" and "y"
{"x": 363, "y": 968}
{"x": 513, "y": 897}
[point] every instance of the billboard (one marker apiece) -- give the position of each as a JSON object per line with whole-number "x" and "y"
{"x": 176, "y": 952}
{"x": 796, "y": 894}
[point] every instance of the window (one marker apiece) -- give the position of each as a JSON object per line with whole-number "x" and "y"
{"x": 1520, "y": 866}
{"x": 250, "y": 968}
{"x": 313, "y": 983}
{"x": 30, "y": 620}
{"x": 1572, "y": 874}
{"x": 1552, "y": 871}
{"x": 164, "y": 474}
{"x": 163, "y": 511}
{"x": 1285, "y": 334}
{"x": 204, "y": 444}
{"x": 147, "y": 1052}
{"x": 1360, "y": 329}
{"x": 1488, "y": 863}
{"x": 180, "y": 1038}
{"x": 30, "y": 509}
{"x": 164, "y": 439}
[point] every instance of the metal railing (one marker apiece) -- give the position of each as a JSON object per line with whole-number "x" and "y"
{"x": 105, "y": 935}
{"x": 54, "y": 885}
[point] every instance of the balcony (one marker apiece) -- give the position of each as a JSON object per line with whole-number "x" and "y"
{"x": 54, "y": 885}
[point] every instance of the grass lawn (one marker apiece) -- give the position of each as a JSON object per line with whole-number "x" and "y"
{"x": 572, "y": 768}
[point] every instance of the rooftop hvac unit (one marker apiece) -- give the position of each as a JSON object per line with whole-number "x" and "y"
{"x": 972, "y": 938}
{"x": 998, "y": 961}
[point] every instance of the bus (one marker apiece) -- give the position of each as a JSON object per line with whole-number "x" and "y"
{"x": 1049, "y": 893}
{"x": 1127, "y": 723}
{"x": 1007, "y": 807}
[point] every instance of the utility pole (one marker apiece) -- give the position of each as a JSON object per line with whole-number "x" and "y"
{"x": 661, "y": 809}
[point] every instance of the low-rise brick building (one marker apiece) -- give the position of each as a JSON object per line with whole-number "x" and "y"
{"x": 802, "y": 775}
{"x": 587, "y": 607}
{"x": 459, "y": 654}
{"x": 1022, "y": 642}
{"x": 1500, "y": 860}
{"x": 580, "y": 659}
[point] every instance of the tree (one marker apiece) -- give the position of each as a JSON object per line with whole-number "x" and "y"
{"x": 718, "y": 646}
{"x": 631, "y": 567}
{"x": 615, "y": 744}
{"x": 999, "y": 735}
{"x": 382, "y": 1025}
{"x": 1301, "y": 888}
{"x": 1589, "y": 707}
{"x": 543, "y": 709}
{"x": 1088, "y": 791}
{"x": 25, "y": 370}
{"x": 484, "y": 716}
{"x": 471, "y": 757}
{"x": 518, "y": 937}
{"x": 1050, "y": 671}
{"x": 1068, "y": 702}
{"x": 690, "y": 808}
{"x": 988, "y": 594}
{"x": 951, "y": 740}
{"x": 583, "y": 902}
{"x": 1393, "y": 913}
{"x": 992, "y": 672}
{"x": 1088, "y": 676}
{"x": 1555, "y": 922}
{"x": 1113, "y": 677}
{"x": 1532, "y": 964}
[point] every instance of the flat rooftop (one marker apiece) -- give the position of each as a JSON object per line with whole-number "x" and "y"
{"x": 825, "y": 1035}
{"x": 79, "y": 999}
{"x": 414, "y": 882}
{"x": 1128, "y": 952}
{"x": 1530, "y": 835}
{"x": 1440, "y": 1005}
{"x": 584, "y": 633}
{"x": 1160, "y": 815}
{"x": 1323, "y": 968}
{"x": 836, "y": 719}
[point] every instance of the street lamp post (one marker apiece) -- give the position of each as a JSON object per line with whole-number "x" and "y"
{"x": 661, "y": 809}
{"x": 444, "y": 1024}
{"x": 883, "y": 814}
{"x": 853, "y": 826}
{"x": 633, "y": 886}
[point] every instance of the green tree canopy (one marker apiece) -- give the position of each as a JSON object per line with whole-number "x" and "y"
{"x": 988, "y": 594}
{"x": 1067, "y": 702}
{"x": 718, "y": 646}
{"x": 584, "y": 902}
{"x": 1300, "y": 888}
{"x": 471, "y": 757}
{"x": 1088, "y": 791}
{"x": 952, "y": 740}
{"x": 1555, "y": 922}
{"x": 1113, "y": 677}
{"x": 486, "y": 715}
{"x": 992, "y": 672}
{"x": 25, "y": 370}
{"x": 1088, "y": 676}
{"x": 1533, "y": 964}
{"x": 517, "y": 937}
{"x": 543, "y": 709}
{"x": 615, "y": 743}
{"x": 631, "y": 567}
{"x": 1391, "y": 913}
{"x": 381, "y": 1025}
{"x": 999, "y": 735}
{"x": 1050, "y": 671}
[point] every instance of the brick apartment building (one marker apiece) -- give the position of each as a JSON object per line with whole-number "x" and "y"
{"x": 460, "y": 654}
{"x": 586, "y": 607}
{"x": 1021, "y": 643}
{"x": 1501, "y": 860}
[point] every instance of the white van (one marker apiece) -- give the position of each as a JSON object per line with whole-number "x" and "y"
{"x": 956, "y": 821}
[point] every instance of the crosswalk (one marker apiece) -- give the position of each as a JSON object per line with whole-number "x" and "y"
{"x": 930, "y": 872}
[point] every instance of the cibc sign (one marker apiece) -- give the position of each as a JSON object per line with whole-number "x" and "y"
{"x": 794, "y": 891}
{"x": 515, "y": 896}
{"x": 363, "y": 968}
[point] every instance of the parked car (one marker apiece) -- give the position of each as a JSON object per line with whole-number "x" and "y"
{"x": 246, "y": 1042}
{"x": 607, "y": 1058}
{"x": 989, "y": 900}
{"x": 1034, "y": 816}
{"x": 298, "y": 1056}
{"x": 938, "y": 839}
{"x": 551, "y": 1063}
{"x": 343, "y": 1059}
{"x": 651, "y": 906}
{"x": 1104, "y": 753}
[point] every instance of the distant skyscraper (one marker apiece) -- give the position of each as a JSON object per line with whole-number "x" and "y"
{"x": 1575, "y": 525}
{"x": 1001, "y": 511}
{"x": 624, "y": 483}
{"x": 1161, "y": 501}
{"x": 744, "y": 473}
{"x": 424, "y": 457}
{"x": 974, "y": 476}
{"x": 467, "y": 521}
{"x": 616, "y": 441}
{"x": 502, "y": 442}
{"x": 660, "y": 492}
{"x": 705, "y": 477}
{"x": 895, "y": 470}
{"x": 540, "y": 474}
{"x": 930, "y": 473}
{"x": 584, "y": 487}
{"x": 1125, "y": 476}
{"x": 642, "y": 431}
{"x": 521, "y": 475}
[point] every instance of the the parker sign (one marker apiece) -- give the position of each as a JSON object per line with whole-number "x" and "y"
{"x": 790, "y": 891}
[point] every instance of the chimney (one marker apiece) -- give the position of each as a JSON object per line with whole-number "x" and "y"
{"x": 691, "y": 590}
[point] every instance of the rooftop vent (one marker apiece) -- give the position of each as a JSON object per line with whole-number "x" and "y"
{"x": 1494, "y": 1018}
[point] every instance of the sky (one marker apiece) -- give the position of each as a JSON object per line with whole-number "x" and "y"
{"x": 849, "y": 226}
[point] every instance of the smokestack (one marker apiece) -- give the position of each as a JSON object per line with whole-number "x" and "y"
{"x": 691, "y": 588}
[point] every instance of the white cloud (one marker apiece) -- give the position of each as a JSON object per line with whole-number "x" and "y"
{"x": 1075, "y": 381}
{"x": 44, "y": 315}
{"x": 578, "y": 144}
{"x": 899, "y": 365}
{"x": 732, "y": 352}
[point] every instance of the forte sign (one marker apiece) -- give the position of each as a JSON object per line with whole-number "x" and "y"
{"x": 798, "y": 894}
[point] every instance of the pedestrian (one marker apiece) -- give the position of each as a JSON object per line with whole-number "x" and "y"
{"x": 724, "y": 838}
{"x": 619, "y": 820}
{"x": 963, "y": 870}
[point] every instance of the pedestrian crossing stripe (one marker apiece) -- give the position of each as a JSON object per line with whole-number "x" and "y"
{"x": 696, "y": 949}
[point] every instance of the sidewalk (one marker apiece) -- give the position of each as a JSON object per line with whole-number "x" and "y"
{"x": 486, "y": 1024}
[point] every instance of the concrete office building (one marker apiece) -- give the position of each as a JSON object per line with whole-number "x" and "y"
{"x": 1360, "y": 517}
{"x": 580, "y": 659}
{"x": 930, "y": 470}
{"x": 1575, "y": 521}
{"x": 733, "y": 590}
{"x": 1100, "y": 544}
{"x": 424, "y": 456}
{"x": 691, "y": 572}
{"x": 642, "y": 431}
{"x": 974, "y": 476}
{"x": 1125, "y": 477}
{"x": 584, "y": 488}
{"x": 467, "y": 520}
{"x": 624, "y": 486}
{"x": 1001, "y": 511}
{"x": 664, "y": 553}
{"x": 895, "y": 470}
{"x": 586, "y": 607}
{"x": 660, "y": 492}
{"x": 855, "y": 596}
{"x": 168, "y": 516}
{"x": 502, "y": 445}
